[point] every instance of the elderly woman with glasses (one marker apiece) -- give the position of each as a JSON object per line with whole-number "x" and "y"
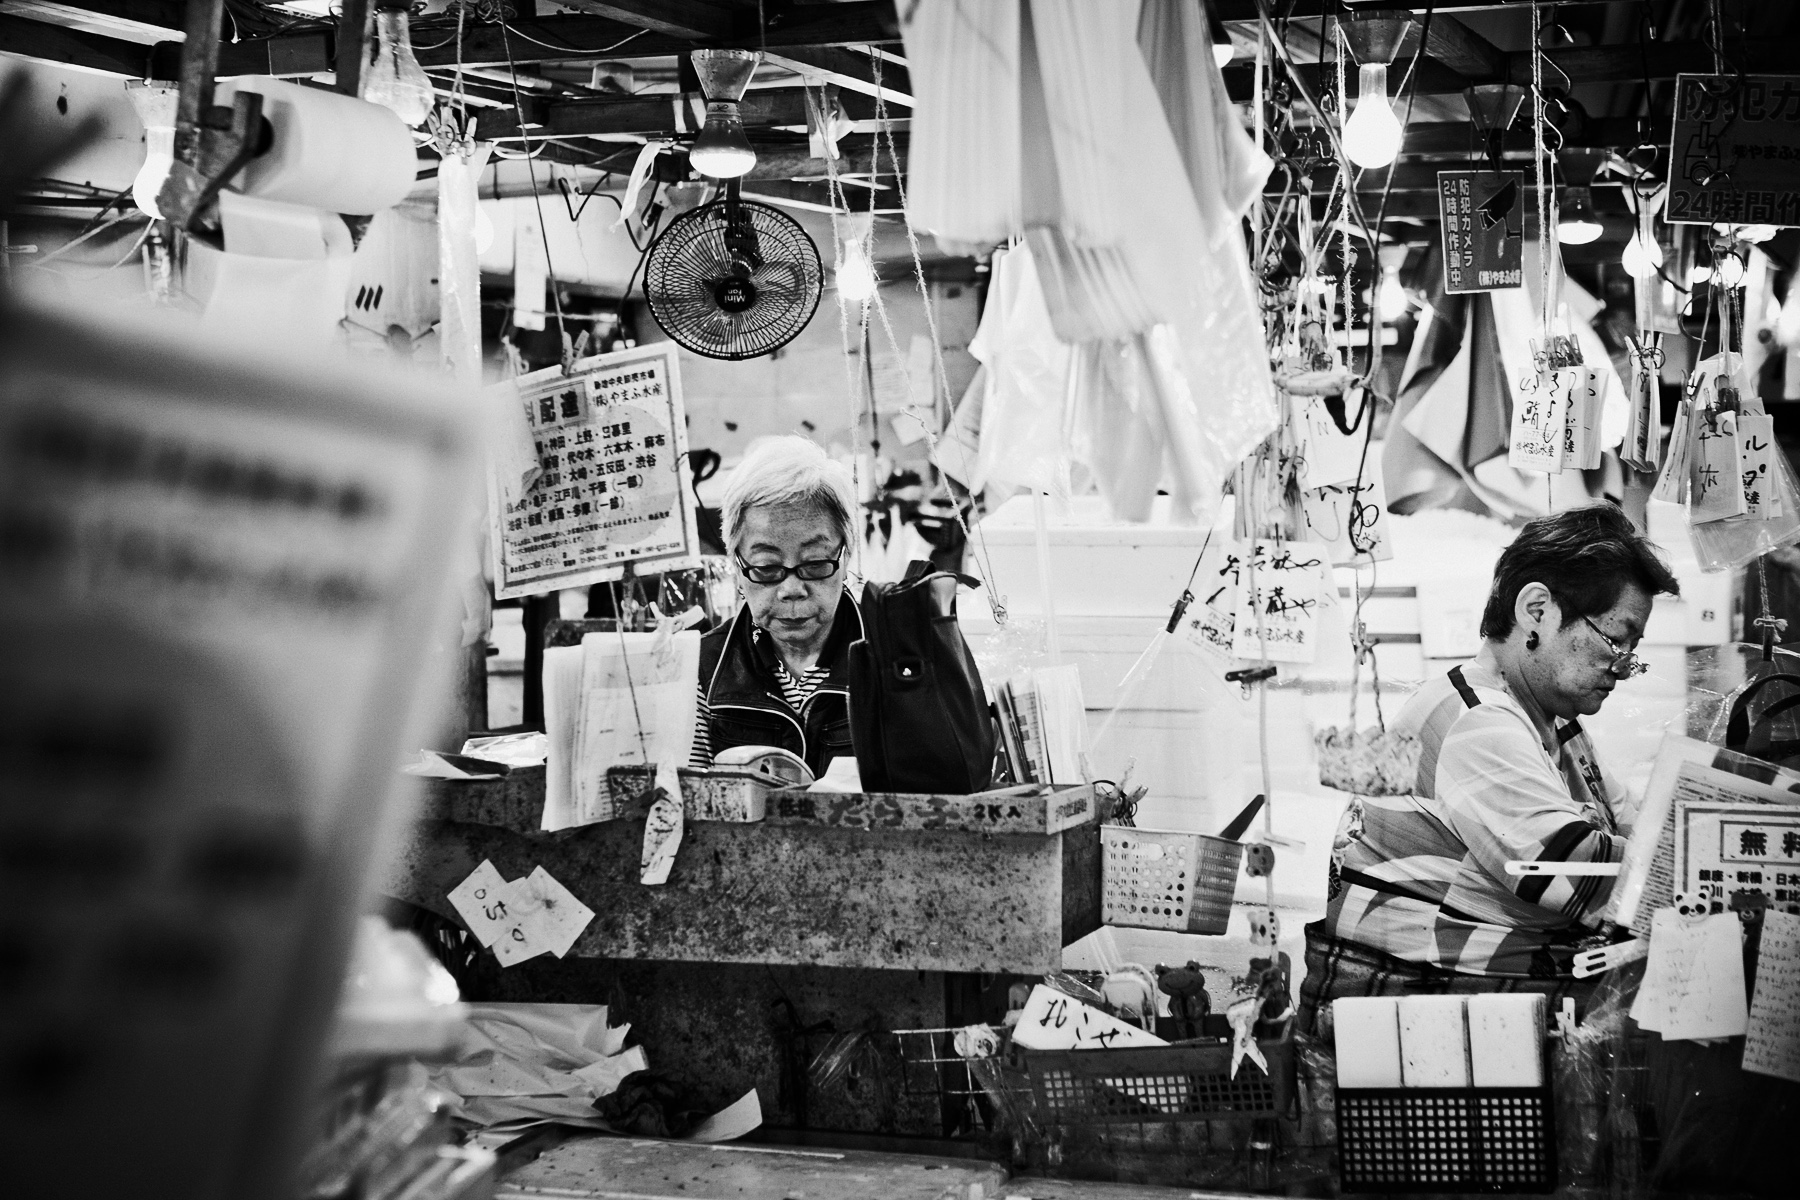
{"x": 774, "y": 675}
{"x": 1420, "y": 894}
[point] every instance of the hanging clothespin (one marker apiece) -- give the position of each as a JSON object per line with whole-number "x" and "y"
{"x": 1245, "y": 676}
{"x": 1179, "y": 611}
{"x": 574, "y": 348}
{"x": 1565, "y": 1020}
{"x": 1771, "y": 626}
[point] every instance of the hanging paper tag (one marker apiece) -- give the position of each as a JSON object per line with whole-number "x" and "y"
{"x": 1716, "y": 474}
{"x": 1672, "y": 485}
{"x": 1327, "y": 455}
{"x": 1278, "y": 604}
{"x": 1349, "y": 519}
{"x": 1587, "y": 396}
{"x": 1211, "y": 619}
{"x": 1756, "y": 441}
{"x": 1539, "y": 419}
{"x": 662, "y": 838}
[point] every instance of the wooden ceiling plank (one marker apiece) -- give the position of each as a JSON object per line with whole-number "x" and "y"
{"x": 71, "y": 47}
{"x": 689, "y": 19}
{"x": 849, "y": 71}
{"x": 145, "y": 22}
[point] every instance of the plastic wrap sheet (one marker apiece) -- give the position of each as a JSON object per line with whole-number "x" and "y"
{"x": 964, "y": 160}
{"x": 1219, "y": 402}
{"x": 1118, "y": 430}
{"x": 1738, "y": 541}
{"x": 1224, "y": 165}
{"x": 1025, "y": 414}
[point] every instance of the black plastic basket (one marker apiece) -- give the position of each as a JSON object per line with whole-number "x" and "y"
{"x": 1446, "y": 1140}
{"x": 1151, "y": 1084}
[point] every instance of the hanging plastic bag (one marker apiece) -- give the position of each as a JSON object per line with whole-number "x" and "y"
{"x": 1743, "y": 498}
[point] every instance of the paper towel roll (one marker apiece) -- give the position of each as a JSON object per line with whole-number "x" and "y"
{"x": 329, "y": 151}
{"x": 270, "y": 229}
{"x": 281, "y": 276}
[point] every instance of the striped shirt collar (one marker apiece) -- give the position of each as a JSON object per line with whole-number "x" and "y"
{"x": 1491, "y": 676}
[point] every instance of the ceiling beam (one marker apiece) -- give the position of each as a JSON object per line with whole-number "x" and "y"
{"x": 72, "y": 47}
{"x": 144, "y": 22}
{"x": 585, "y": 38}
{"x": 689, "y": 19}
{"x": 848, "y": 70}
{"x": 1456, "y": 46}
{"x": 1245, "y": 10}
{"x": 655, "y": 116}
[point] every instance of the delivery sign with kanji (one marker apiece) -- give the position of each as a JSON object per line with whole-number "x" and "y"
{"x": 611, "y": 437}
{"x": 1482, "y": 219}
{"x": 1734, "y": 151}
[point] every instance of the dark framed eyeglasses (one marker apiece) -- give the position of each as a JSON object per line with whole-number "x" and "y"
{"x": 811, "y": 570}
{"x": 1625, "y": 663}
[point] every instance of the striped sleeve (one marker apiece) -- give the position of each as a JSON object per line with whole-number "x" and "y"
{"x": 1506, "y": 801}
{"x": 702, "y": 755}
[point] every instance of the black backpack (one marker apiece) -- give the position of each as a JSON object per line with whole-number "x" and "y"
{"x": 919, "y": 718}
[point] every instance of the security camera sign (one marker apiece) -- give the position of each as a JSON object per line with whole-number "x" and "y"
{"x": 1481, "y": 214}
{"x": 1734, "y": 150}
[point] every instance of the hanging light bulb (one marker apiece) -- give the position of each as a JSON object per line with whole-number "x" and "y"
{"x": 1640, "y": 258}
{"x": 484, "y": 229}
{"x": 722, "y": 151}
{"x": 1372, "y": 134}
{"x": 1393, "y": 297}
{"x": 1731, "y": 269}
{"x": 395, "y": 80}
{"x": 155, "y": 104}
{"x": 1578, "y": 223}
{"x": 856, "y": 280}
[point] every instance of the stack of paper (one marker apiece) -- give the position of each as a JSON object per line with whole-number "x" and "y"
{"x": 618, "y": 699}
{"x": 1043, "y": 724}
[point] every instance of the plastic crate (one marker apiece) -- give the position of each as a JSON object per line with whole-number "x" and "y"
{"x": 1446, "y": 1140}
{"x": 1154, "y": 1084}
{"x": 1167, "y": 879}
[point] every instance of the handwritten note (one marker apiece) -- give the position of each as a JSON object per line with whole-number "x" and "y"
{"x": 1540, "y": 417}
{"x": 1053, "y": 1021}
{"x": 1349, "y": 519}
{"x": 1756, "y": 441}
{"x": 1211, "y": 619}
{"x": 481, "y": 901}
{"x": 1278, "y": 604}
{"x": 1694, "y": 984}
{"x": 1772, "y": 1042}
{"x": 520, "y": 919}
{"x": 1716, "y": 472}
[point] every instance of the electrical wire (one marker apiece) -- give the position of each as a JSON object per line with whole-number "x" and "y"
{"x": 583, "y": 50}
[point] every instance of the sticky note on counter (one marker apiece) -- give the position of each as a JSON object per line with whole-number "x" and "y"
{"x": 1506, "y": 1040}
{"x": 1368, "y": 1041}
{"x": 1434, "y": 1048}
{"x": 483, "y": 900}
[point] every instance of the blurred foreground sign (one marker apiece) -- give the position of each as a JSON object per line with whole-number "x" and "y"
{"x": 1734, "y": 150}
{"x": 218, "y": 581}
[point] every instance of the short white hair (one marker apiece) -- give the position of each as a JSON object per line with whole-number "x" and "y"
{"x": 790, "y": 470}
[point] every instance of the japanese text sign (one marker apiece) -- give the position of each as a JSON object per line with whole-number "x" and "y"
{"x": 1482, "y": 221}
{"x": 612, "y": 437}
{"x": 1734, "y": 150}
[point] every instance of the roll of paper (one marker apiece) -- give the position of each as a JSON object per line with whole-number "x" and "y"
{"x": 329, "y": 150}
{"x": 1506, "y": 1037}
{"x": 282, "y": 273}
{"x": 1367, "y": 1030}
{"x": 1434, "y": 1049}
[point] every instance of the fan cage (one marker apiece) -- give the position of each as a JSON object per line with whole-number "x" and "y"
{"x": 690, "y": 258}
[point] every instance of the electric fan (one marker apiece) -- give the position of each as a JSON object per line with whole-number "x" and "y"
{"x": 733, "y": 279}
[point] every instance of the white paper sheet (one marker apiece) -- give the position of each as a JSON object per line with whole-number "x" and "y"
{"x": 562, "y": 717}
{"x": 1772, "y": 1039}
{"x": 1278, "y": 604}
{"x": 638, "y": 706}
{"x": 1053, "y": 1021}
{"x": 483, "y": 902}
{"x": 1694, "y": 984}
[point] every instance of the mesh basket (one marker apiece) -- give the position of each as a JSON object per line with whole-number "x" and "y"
{"x": 1149, "y": 1084}
{"x": 1446, "y": 1140}
{"x": 1163, "y": 879}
